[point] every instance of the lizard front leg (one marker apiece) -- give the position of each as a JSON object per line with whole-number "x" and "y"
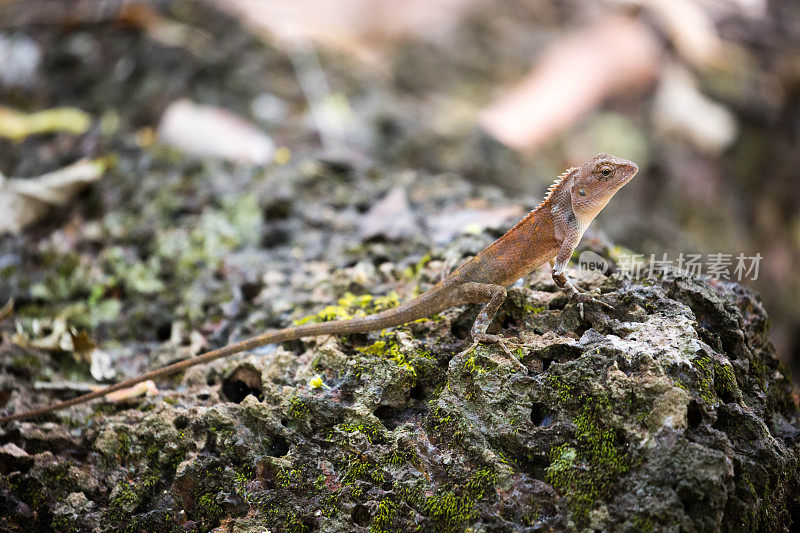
{"x": 559, "y": 276}
{"x": 492, "y": 296}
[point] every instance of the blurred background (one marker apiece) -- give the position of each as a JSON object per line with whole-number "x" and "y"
{"x": 703, "y": 94}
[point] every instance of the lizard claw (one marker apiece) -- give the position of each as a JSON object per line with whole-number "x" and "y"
{"x": 583, "y": 298}
{"x": 496, "y": 339}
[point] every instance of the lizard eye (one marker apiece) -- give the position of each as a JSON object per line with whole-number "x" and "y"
{"x": 582, "y": 192}
{"x": 606, "y": 171}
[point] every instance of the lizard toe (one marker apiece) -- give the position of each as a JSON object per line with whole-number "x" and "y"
{"x": 504, "y": 343}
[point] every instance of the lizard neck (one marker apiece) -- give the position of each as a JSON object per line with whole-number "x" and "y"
{"x": 567, "y": 224}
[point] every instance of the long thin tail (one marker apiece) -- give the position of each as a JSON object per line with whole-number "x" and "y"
{"x": 424, "y": 305}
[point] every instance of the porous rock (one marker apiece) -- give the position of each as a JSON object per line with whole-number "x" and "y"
{"x": 671, "y": 411}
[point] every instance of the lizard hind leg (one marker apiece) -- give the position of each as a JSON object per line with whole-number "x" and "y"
{"x": 492, "y": 296}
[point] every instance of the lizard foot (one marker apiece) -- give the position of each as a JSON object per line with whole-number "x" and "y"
{"x": 495, "y": 339}
{"x": 582, "y": 298}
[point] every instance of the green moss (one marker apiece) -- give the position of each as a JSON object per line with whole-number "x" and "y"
{"x": 222, "y": 433}
{"x": 390, "y": 350}
{"x": 56, "y": 483}
{"x": 359, "y": 369}
{"x": 444, "y": 424}
{"x": 147, "y": 450}
{"x": 587, "y": 471}
{"x": 725, "y": 380}
{"x": 299, "y": 409}
{"x": 413, "y": 272}
{"x": 361, "y": 468}
{"x": 294, "y": 524}
{"x": 565, "y": 392}
{"x": 450, "y": 511}
{"x": 705, "y": 379}
{"x": 758, "y": 370}
{"x": 481, "y": 481}
{"x": 644, "y": 524}
{"x": 25, "y": 363}
{"x": 286, "y": 477}
{"x": 351, "y": 306}
{"x": 125, "y": 498}
{"x": 714, "y": 379}
{"x": 68, "y": 277}
{"x": 240, "y": 486}
{"x": 372, "y": 433}
{"x": 382, "y": 303}
{"x": 128, "y": 496}
{"x": 473, "y": 367}
{"x": 383, "y": 518}
{"x": 451, "y": 507}
{"x": 411, "y": 493}
{"x": 216, "y": 232}
{"x": 402, "y": 456}
{"x": 208, "y": 508}
{"x": 425, "y": 354}
{"x": 561, "y": 472}
{"x": 64, "y": 523}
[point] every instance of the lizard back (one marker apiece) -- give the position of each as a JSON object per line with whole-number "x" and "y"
{"x": 528, "y": 245}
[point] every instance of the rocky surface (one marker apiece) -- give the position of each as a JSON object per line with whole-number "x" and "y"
{"x": 669, "y": 412}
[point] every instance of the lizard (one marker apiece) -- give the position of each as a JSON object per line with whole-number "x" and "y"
{"x": 549, "y": 233}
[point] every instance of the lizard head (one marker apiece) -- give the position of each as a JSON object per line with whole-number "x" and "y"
{"x": 596, "y": 181}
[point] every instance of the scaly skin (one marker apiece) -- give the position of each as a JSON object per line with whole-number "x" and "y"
{"x": 549, "y": 233}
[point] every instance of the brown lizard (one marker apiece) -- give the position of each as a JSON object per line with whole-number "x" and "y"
{"x": 549, "y": 233}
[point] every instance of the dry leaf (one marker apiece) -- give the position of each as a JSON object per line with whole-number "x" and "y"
{"x": 61, "y": 338}
{"x": 20, "y": 56}
{"x": 391, "y": 217}
{"x": 691, "y": 29}
{"x": 212, "y": 131}
{"x": 101, "y": 367}
{"x": 16, "y": 125}
{"x": 7, "y": 309}
{"x": 146, "y": 388}
{"x": 681, "y": 110}
{"x": 25, "y": 201}
{"x": 356, "y": 26}
{"x": 616, "y": 55}
{"x": 60, "y": 387}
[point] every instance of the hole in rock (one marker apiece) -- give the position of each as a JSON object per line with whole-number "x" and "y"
{"x": 694, "y": 415}
{"x": 388, "y": 416}
{"x": 361, "y": 515}
{"x": 540, "y": 415}
{"x": 279, "y": 447}
{"x": 244, "y": 381}
{"x": 417, "y": 392}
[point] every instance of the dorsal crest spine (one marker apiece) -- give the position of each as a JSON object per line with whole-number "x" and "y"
{"x": 553, "y": 186}
{"x": 561, "y": 177}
